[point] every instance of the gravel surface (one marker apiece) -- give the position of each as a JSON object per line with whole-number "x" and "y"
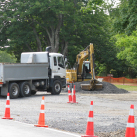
{"x": 107, "y": 88}
{"x": 110, "y": 115}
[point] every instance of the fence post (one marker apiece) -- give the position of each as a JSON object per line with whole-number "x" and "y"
{"x": 110, "y": 79}
{"x": 123, "y": 80}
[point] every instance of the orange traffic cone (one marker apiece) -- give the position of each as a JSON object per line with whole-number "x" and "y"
{"x": 69, "y": 95}
{"x": 130, "y": 129}
{"x": 7, "y": 109}
{"x": 73, "y": 95}
{"x": 41, "y": 122}
{"x": 90, "y": 124}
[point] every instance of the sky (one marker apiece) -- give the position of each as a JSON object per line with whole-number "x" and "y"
{"x": 116, "y": 2}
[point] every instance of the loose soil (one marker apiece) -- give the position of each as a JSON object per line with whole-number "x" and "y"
{"x": 108, "y": 88}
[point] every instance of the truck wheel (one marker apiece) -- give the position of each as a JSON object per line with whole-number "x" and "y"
{"x": 14, "y": 90}
{"x": 25, "y": 90}
{"x": 56, "y": 89}
{"x": 33, "y": 92}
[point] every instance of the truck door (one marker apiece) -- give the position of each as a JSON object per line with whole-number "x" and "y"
{"x": 61, "y": 67}
{"x": 55, "y": 65}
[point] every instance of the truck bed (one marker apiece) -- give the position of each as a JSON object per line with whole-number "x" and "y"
{"x": 23, "y": 71}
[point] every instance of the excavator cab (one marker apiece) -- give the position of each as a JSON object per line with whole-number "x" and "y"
{"x": 86, "y": 70}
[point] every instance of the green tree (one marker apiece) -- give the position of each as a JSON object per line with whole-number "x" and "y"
{"x": 124, "y": 27}
{"x": 7, "y": 58}
{"x": 34, "y": 24}
{"x": 125, "y": 21}
{"x": 127, "y": 46}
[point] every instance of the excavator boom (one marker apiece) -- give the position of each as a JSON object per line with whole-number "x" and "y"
{"x": 93, "y": 82}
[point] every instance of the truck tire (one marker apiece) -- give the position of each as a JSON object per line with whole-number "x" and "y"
{"x": 56, "y": 89}
{"x": 14, "y": 90}
{"x": 25, "y": 90}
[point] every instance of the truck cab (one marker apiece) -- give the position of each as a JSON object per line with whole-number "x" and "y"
{"x": 57, "y": 78}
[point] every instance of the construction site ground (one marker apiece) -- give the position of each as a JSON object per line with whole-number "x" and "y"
{"x": 111, "y": 111}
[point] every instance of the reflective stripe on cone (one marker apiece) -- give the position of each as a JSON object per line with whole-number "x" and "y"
{"x": 74, "y": 95}
{"x": 69, "y": 95}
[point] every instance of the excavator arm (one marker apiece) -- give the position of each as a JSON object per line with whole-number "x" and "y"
{"x": 92, "y": 61}
{"x": 93, "y": 82}
{"x": 87, "y": 52}
{"x": 80, "y": 58}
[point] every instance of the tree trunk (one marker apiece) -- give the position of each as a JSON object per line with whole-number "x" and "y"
{"x": 64, "y": 48}
{"x": 30, "y": 49}
{"x": 53, "y": 34}
{"x": 37, "y": 37}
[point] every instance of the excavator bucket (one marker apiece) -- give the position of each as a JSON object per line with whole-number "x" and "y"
{"x": 86, "y": 86}
{"x": 92, "y": 86}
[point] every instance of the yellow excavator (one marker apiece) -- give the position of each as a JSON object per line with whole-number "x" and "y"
{"x": 84, "y": 70}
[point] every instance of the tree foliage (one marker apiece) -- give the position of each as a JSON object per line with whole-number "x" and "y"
{"x": 127, "y": 46}
{"x": 124, "y": 28}
{"x": 7, "y": 58}
{"x": 125, "y": 20}
{"x": 34, "y": 24}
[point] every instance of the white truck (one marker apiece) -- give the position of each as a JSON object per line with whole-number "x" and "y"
{"x": 37, "y": 71}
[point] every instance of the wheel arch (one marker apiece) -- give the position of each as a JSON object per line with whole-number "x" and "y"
{"x": 51, "y": 80}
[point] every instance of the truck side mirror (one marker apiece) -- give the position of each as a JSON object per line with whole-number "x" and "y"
{"x": 48, "y": 49}
{"x": 65, "y": 59}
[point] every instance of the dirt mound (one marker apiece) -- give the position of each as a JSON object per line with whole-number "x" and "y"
{"x": 107, "y": 88}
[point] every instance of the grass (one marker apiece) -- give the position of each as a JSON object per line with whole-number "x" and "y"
{"x": 127, "y": 87}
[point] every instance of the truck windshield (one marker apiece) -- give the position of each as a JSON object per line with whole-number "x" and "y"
{"x": 61, "y": 62}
